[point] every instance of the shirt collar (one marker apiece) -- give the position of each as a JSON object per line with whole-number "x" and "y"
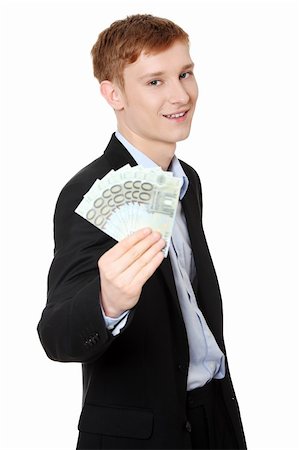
{"x": 175, "y": 166}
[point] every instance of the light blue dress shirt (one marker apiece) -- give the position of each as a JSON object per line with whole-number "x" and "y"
{"x": 206, "y": 359}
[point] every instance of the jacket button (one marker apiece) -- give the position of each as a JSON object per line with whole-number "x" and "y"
{"x": 188, "y": 427}
{"x": 92, "y": 340}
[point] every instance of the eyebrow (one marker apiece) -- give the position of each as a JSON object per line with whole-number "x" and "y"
{"x": 159, "y": 74}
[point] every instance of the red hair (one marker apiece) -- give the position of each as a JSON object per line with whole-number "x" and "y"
{"x": 122, "y": 43}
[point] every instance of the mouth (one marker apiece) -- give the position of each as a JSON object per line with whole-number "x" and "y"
{"x": 178, "y": 116}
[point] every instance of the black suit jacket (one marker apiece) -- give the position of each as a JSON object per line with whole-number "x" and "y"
{"x": 134, "y": 384}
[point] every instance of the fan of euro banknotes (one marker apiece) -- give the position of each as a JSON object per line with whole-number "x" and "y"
{"x": 131, "y": 198}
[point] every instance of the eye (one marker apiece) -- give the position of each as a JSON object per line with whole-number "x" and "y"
{"x": 154, "y": 83}
{"x": 185, "y": 75}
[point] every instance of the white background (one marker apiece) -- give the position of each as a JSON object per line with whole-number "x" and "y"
{"x": 243, "y": 144}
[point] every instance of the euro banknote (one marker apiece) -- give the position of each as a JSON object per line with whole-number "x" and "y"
{"x": 131, "y": 198}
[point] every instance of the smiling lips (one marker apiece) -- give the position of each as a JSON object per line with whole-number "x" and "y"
{"x": 176, "y": 115}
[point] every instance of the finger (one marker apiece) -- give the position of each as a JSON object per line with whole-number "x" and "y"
{"x": 127, "y": 243}
{"x": 139, "y": 266}
{"x": 136, "y": 252}
{"x": 149, "y": 269}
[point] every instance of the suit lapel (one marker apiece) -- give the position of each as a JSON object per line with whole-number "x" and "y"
{"x": 207, "y": 291}
{"x": 193, "y": 218}
{"x": 166, "y": 270}
{"x": 117, "y": 155}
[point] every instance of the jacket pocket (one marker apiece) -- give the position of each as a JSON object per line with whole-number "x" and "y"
{"x": 116, "y": 421}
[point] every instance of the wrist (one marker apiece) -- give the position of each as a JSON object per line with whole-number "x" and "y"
{"x": 110, "y": 311}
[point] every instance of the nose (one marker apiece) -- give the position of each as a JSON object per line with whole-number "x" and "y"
{"x": 178, "y": 93}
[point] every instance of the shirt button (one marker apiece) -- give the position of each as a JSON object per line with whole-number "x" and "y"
{"x": 188, "y": 427}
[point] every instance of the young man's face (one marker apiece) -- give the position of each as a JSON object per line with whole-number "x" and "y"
{"x": 159, "y": 96}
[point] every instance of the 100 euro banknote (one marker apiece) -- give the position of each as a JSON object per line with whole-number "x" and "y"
{"x": 132, "y": 198}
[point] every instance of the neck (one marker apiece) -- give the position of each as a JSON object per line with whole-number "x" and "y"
{"x": 159, "y": 152}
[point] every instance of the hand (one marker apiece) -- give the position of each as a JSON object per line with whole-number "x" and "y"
{"x": 126, "y": 267}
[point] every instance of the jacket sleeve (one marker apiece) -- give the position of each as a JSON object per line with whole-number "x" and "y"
{"x": 72, "y": 327}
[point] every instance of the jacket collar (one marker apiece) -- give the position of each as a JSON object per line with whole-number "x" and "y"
{"x": 117, "y": 155}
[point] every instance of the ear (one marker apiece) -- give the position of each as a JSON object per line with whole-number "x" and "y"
{"x": 113, "y": 95}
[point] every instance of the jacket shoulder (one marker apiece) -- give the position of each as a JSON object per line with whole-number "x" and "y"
{"x": 72, "y": 194}
{"x": 80, "y": 183}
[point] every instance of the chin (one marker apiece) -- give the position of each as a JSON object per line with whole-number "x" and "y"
{"x": 182, "y": 136}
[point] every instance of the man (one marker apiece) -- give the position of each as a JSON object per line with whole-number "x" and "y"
{"x": 147, "y": 329}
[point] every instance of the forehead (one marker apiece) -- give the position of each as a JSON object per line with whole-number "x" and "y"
{"x": 166, "y": 61}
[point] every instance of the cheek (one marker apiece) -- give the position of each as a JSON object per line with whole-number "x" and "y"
{"x": 147, "y": 108}
{"x": 195, "y": 93}
{"x": 144, "y": 106}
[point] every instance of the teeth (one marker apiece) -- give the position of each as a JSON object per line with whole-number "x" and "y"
{"x": 175, "y": 116}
